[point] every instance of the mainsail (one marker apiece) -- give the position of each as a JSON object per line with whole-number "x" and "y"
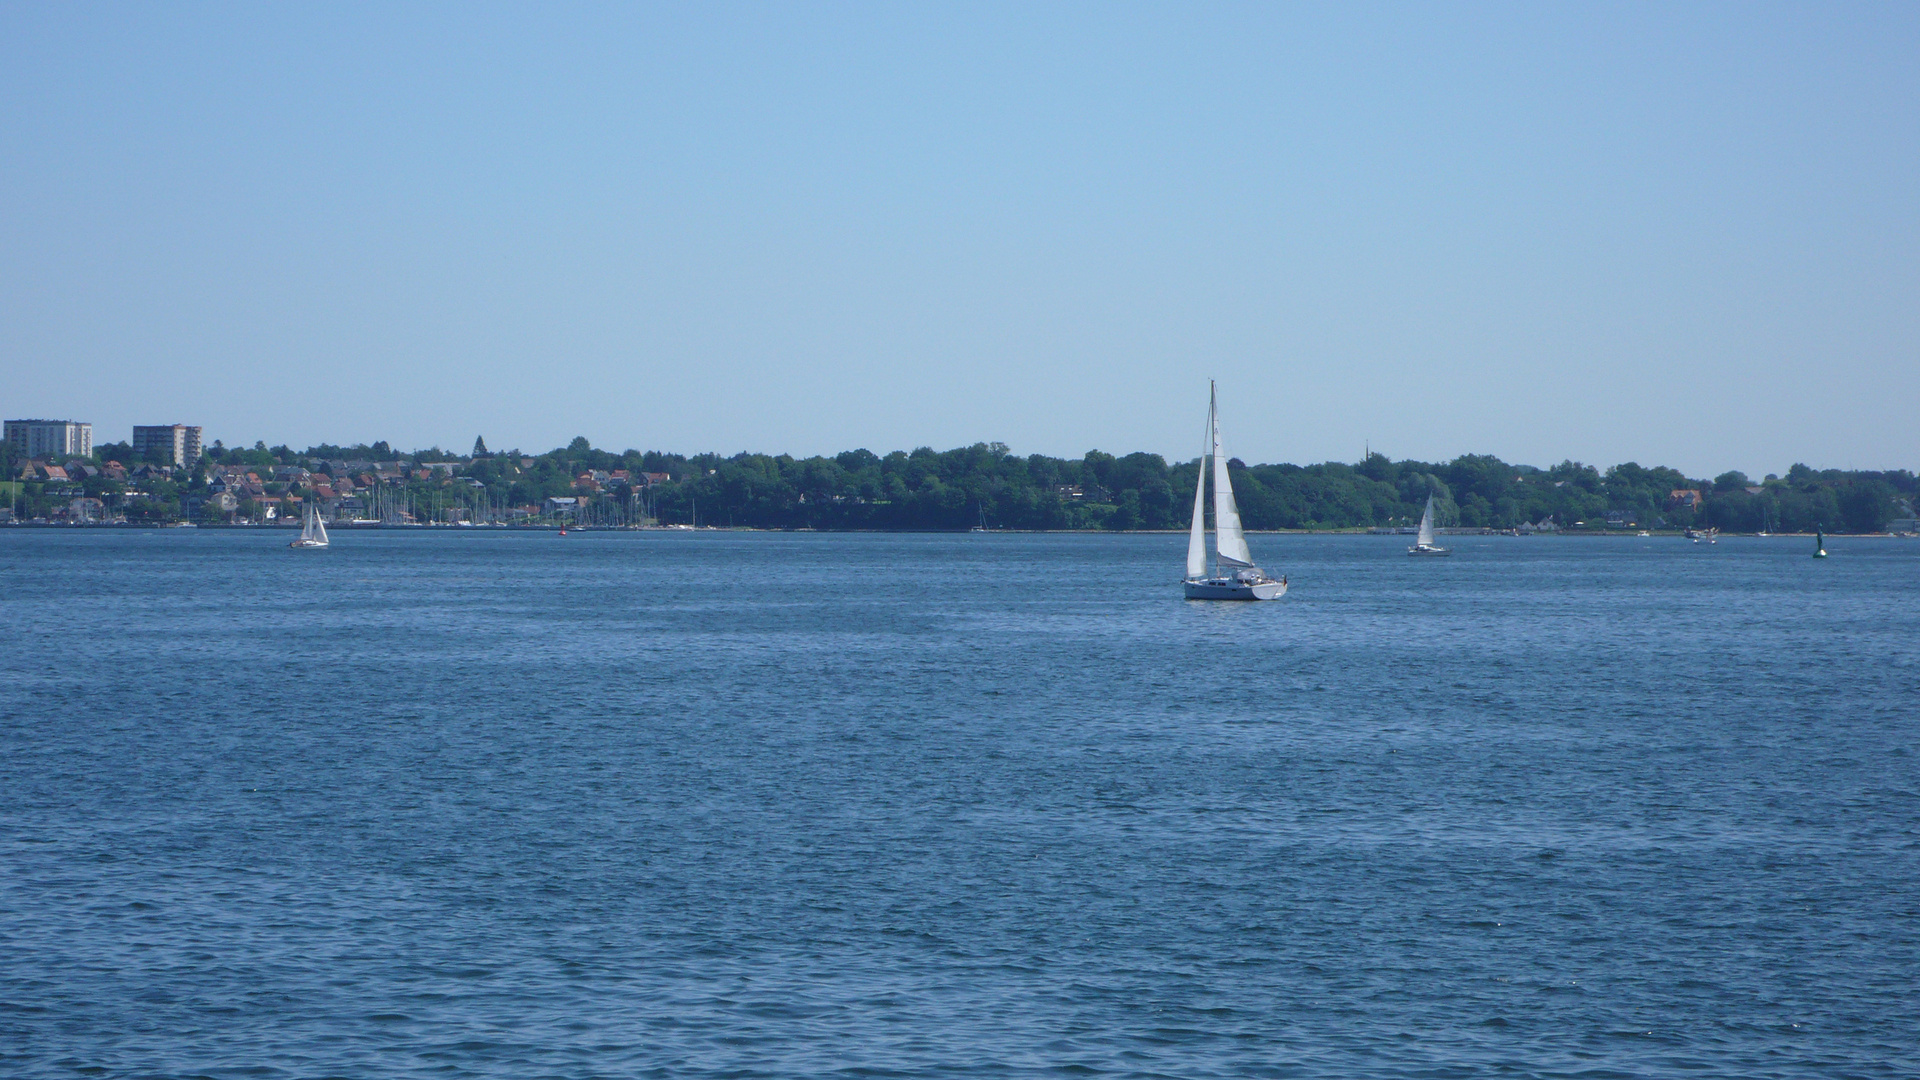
{"x": 319, "y": 528}
{"x": 1228, "y": 540}
{"x": 1197, "y": 539}
{"x": 1425, "y": 539}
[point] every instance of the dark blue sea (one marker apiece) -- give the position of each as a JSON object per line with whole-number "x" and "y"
{"x": 450, "y": 804}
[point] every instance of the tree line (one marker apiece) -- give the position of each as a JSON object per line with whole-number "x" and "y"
{"x": 987, "y": 485}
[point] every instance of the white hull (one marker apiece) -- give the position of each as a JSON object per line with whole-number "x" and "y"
{"x": 1229, "y": 589}
{"x": 1428, "y": 549}
{"x": 308, "y": 544}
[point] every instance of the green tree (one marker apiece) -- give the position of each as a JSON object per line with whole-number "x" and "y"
{"x": 1867, "y": 505}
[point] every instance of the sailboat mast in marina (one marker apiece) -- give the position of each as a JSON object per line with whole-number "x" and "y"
{"x": 1233, "y": 577}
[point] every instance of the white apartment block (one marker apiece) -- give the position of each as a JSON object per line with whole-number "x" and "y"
{"x": 52, "y": 439}
{"x": 178, "y": 443}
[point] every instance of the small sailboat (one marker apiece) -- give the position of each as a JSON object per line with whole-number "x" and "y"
{"x": 1234, "y": 576}
{"x": 313, "y": 531}
{"x": 1423, "y": 544}
{"x": 1819, "y": 543}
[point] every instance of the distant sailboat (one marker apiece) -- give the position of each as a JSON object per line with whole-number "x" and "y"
{"x": 313, "y": 531}
{"x": 1423, "y": 544}
{"x": 1819, "y": 544}
{"x": 1234, "y": 576}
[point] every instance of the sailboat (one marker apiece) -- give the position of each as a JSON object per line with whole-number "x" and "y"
{"x": 1423, "y": 544}
{"x": 1234, "y": 576}
{"x": 1819, "y": 543}
{"x": 313, "y": 531}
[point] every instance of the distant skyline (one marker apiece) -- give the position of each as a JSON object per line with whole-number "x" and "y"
{"x": 1683, "y": 236}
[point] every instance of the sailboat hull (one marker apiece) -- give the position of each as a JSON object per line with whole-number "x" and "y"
{"x": 1428, "y": 549}
{"x": 1228, "y": 589}
{"x": 303, "y": 543}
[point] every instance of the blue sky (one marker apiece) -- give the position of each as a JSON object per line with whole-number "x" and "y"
{"x": 1679, "y": 234}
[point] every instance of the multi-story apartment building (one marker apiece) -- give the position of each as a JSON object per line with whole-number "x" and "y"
{"x": 178, "y": 443}
{"x": 50, "y": 438}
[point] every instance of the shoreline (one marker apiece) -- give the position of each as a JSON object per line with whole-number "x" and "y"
{"x": 1367, "y": 531}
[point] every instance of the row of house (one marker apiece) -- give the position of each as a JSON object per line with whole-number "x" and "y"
{"x": 77, "y": 470}
{"x": 595, "y": 480}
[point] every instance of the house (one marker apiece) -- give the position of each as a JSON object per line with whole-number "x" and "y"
{"x": 291, "y": 474}
{"x": 1620, "y": 519}
{"x": 562, "y": 506}
{"x": 654, "y": 478}
{"x": 269, "y": 507}
{"x": 1684, "y": 498}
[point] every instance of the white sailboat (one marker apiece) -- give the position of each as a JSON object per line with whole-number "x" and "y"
{"x": 313, "y": 531}
{"x": 1423, "y": 544}
{"x": 1234, "y": 576}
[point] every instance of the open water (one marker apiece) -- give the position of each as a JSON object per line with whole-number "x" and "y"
{"x": 452, "y": 804}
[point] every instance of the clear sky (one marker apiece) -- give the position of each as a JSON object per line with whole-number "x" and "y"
{"x": 1680, "y": 234}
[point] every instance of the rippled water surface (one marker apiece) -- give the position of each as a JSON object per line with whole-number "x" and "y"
{"x": 447, "y": 804}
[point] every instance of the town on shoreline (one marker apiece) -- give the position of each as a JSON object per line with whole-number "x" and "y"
{"x": 55, "y": 475}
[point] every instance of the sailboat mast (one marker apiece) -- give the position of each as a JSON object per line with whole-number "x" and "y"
{"x": 1213, "y": 440}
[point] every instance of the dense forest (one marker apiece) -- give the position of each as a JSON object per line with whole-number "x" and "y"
{"x": 986, "y": 484}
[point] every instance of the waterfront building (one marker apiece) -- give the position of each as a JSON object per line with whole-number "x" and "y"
{"x": 50, "y": 438}
{"x": 178, "y": 444}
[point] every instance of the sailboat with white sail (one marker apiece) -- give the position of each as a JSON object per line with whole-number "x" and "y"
{"x": 1234, "y": 576}
{"x": 313, "y": 531}
{"x": 1423, "y": 544}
